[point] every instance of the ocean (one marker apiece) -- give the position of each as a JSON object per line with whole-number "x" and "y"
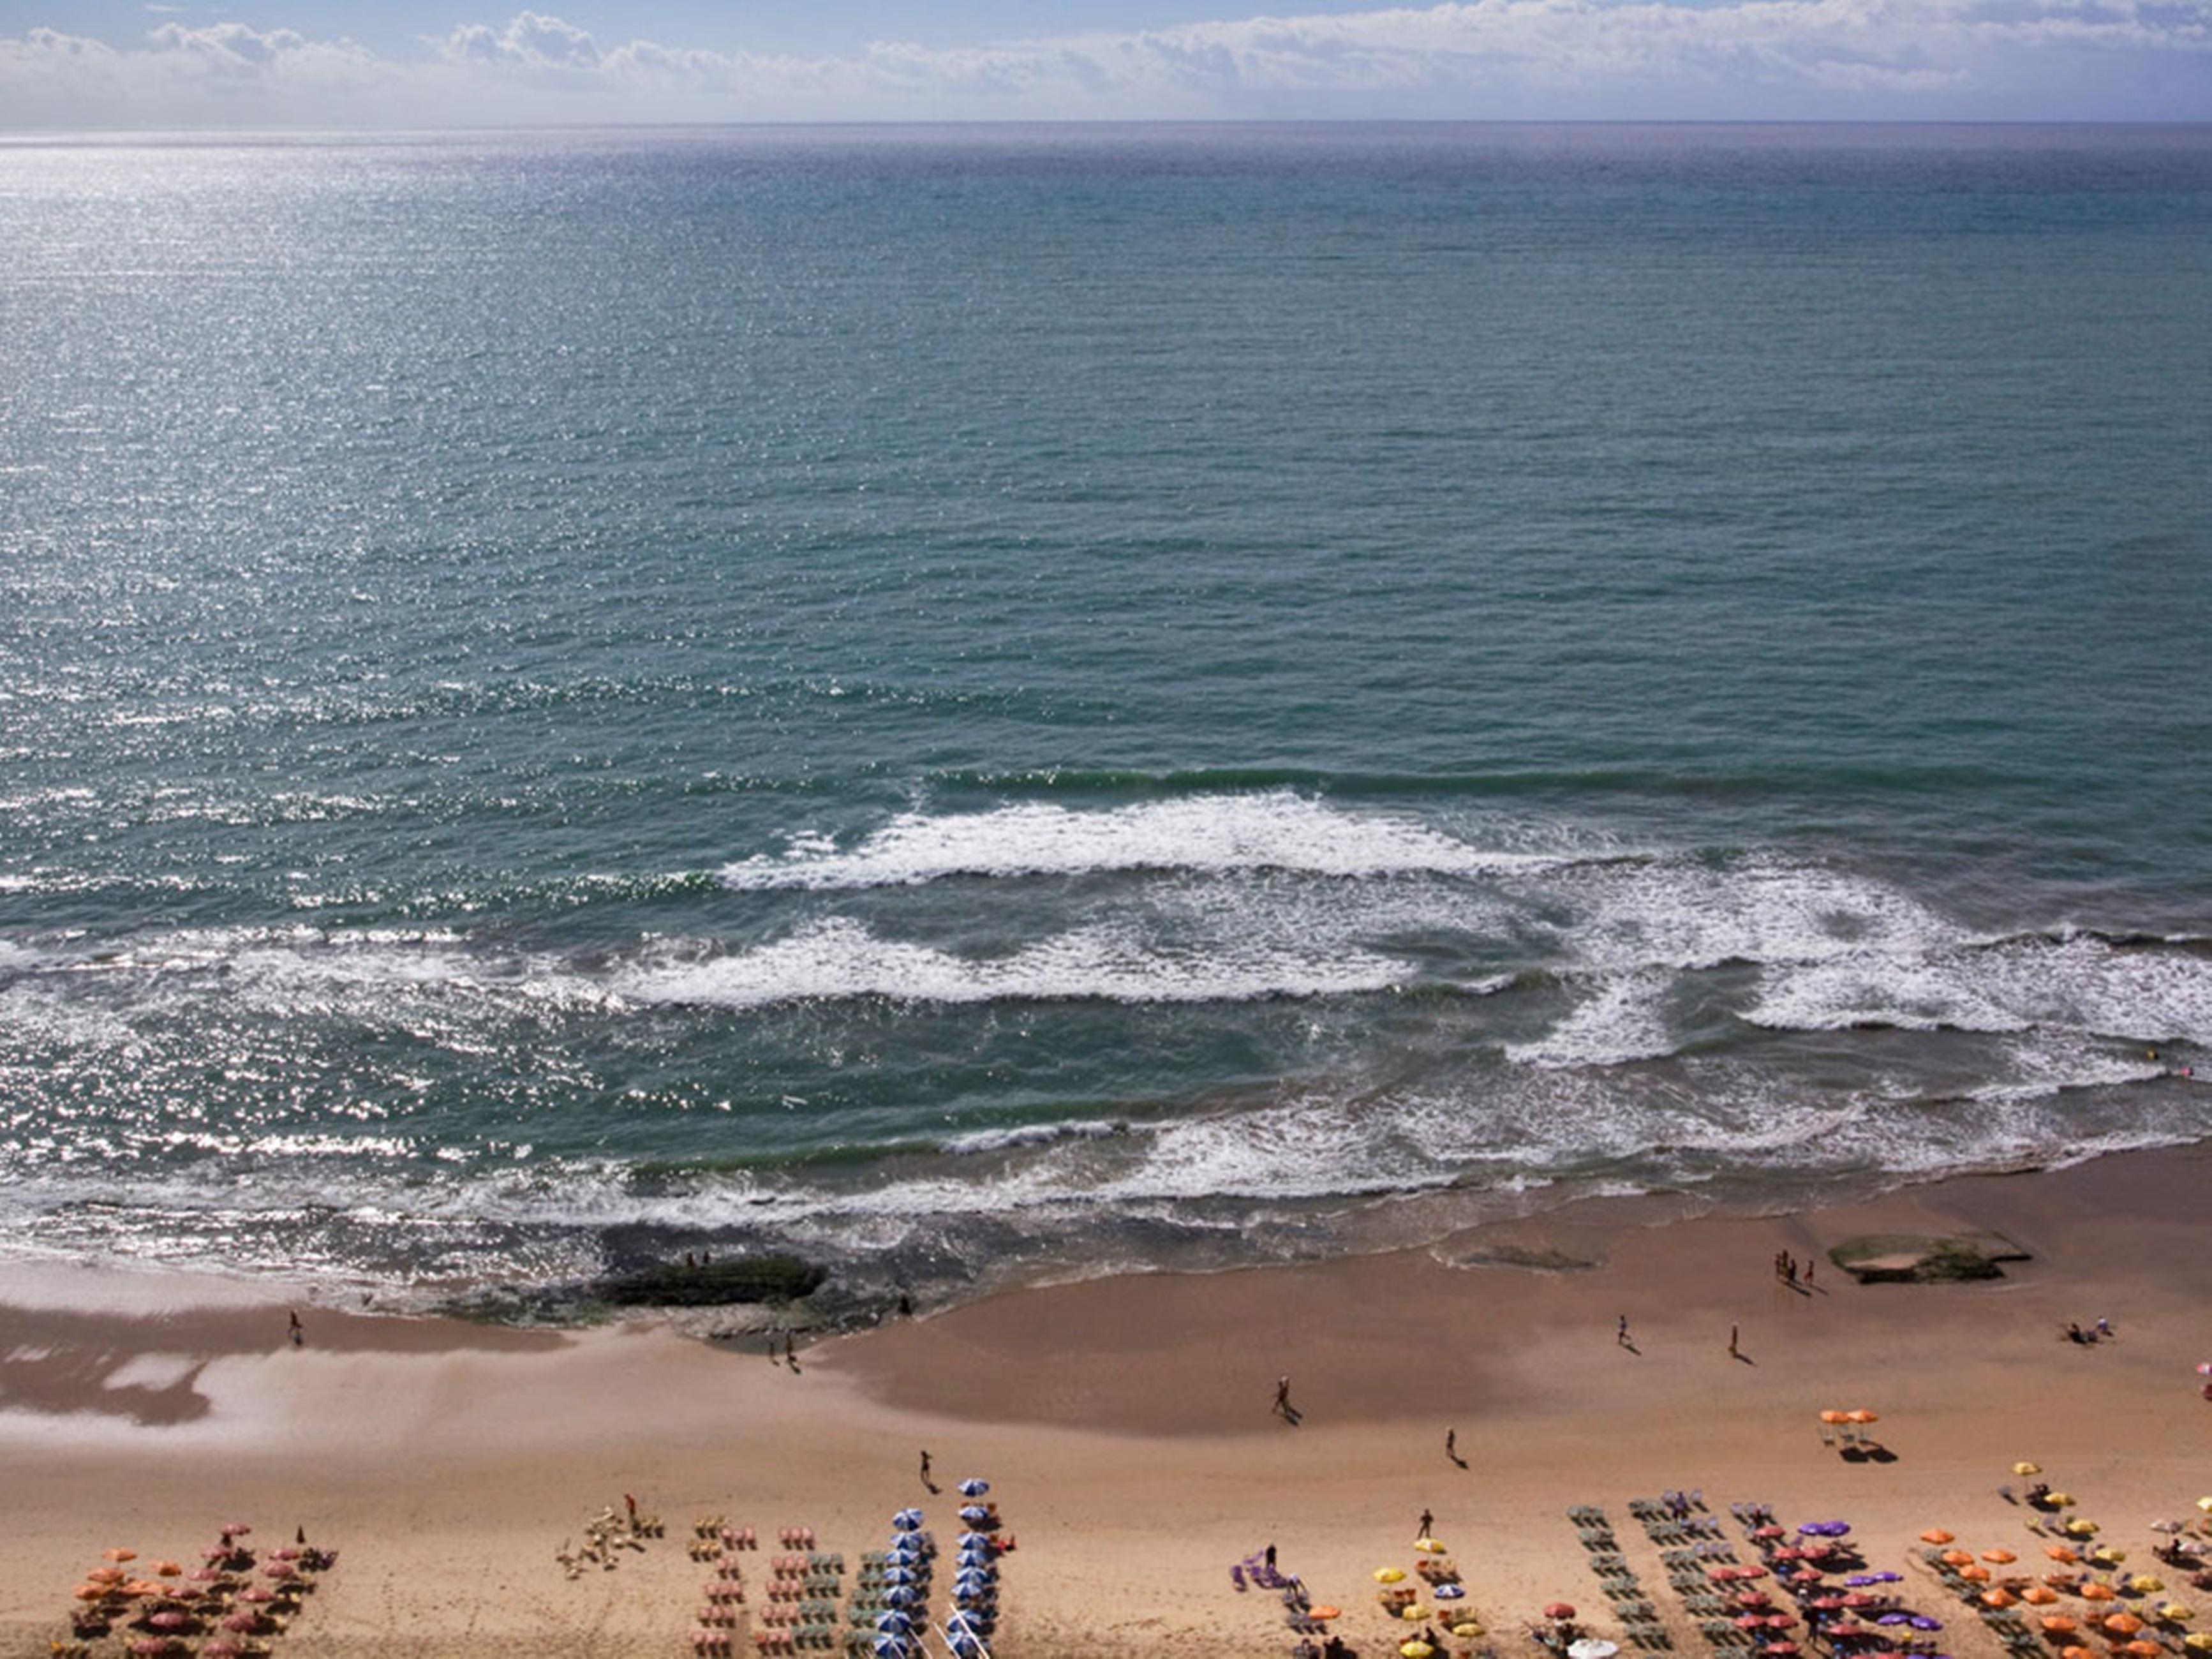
{"x": 997, "y": 704}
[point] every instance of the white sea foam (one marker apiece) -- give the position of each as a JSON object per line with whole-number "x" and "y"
{"x": 1683, "y": 914}
{"x": 840, "y": 958}
{"x": 1278, "y": 831}
{"x": 2079, "y": 983}
{"x": 1623, "y": 1019}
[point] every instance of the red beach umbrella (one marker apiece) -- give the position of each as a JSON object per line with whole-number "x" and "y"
{"x": 1560, "y": 1610}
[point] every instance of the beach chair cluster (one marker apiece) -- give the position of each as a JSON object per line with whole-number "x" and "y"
{"x": 723, "y": 1613}
{"x": 888, "y": 1617}
{"x": 798, "y": 1608}
{"x": 1640, "y": 1624}
{"x": 713, "y": 1538}
{"x": 233, "y": 1604}
{"x": 1858, "y": 1617}
{"x": 2089, "y": 1597}
{"x": 605, "y": 1534}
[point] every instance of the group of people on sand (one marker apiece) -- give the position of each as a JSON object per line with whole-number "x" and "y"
{"x": 2101, "y": 1331}
{"x": 1786, "y": 1268}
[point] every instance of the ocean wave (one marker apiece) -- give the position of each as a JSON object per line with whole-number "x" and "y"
{"x": 1275, "y": 830}
{"x": 2074, "y": 982}
{"x": 1624, "y": 1020}
{"x": 838, "y": 958}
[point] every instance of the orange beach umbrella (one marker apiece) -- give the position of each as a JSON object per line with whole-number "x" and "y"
{"x": 1936, "y": 1535}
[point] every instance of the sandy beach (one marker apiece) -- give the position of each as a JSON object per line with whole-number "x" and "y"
{"x": 1126, "y": 1427}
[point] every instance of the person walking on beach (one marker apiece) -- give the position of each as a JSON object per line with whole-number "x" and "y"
{"x": 1451, "y": 1444}
{"x": 299, "y": 1336}
{"x": 925, "y": 1469}
{"x": 1734, "y": 1353}
{"x": 1427, "y": 1522}
{"x": 1620, "y": 1335}
{"x": 1283, "y": 1398}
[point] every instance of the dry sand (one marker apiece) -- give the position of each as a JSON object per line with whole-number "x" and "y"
{"x": 1127, "y": 1428}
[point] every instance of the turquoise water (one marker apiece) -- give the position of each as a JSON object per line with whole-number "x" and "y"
{"x": 997, "y": 701}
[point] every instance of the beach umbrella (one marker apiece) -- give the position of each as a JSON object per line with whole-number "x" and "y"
{"x": 1813, "y": 1529}
{"x": 1975, "y": 1575}
{"x": 169, "y": 1621}
{"x": 120, "y": 1554}
{"x": 1592, "y": 1647}
{"x": 1450, "y": 1592}
{"x": 973, "y": 1487}
{"x": 1805, "y": 1576}
{"x": 2073, "y": 1653}
{"x": 1864, "y": 1416}
{"x": 2105, "y": 1555}
{"x": 1559, "y": 1610}
{"x": 1827, "y": 1603}
{"x": 2100, "y": 1593}
{"x": 892, "y": 1647}
{"x": 244, "y": 1622}
{"x": 1936, "y": 1535}
{"x": 1415, "y": 1649}
{"x": 1390, "y": 1575}
{"x": 900, "y": 1595}
{"x": 975, "y": 1515}
{"x": 2142, "y": 1650}
{"x": 1750, "y": 1572}
{"x": 2122, "y": 1624}
{"x": 1428, "y": 1547}
{"x": 167, "y": 1569}
{"x": 1469, "y": 1628}
{"x": 1957, "y": 1558}
{"x": 255, "y": 1592}
{"x": 1771, "y": 1531}
{"x": 892, "y": 1621}
{"x": 1886, "y": 1577}
{"x": 1779, "y": 1650}
{"x": 906, "y": 1520}
{"x": 2198, "y": 1641}
{"x": 2144, "y": 1584}
{"x": 1412, "y": 1615}
{"x": 1324, "y": 1612}
{"x": 1999, "y": 1597}
{"x": 236, "y": 1529}
{"x": 1921, "y": 1621}
{"x": 2000, "y": 1556}
{"x": 2038, "y": 1596}
{"x": 2058, "y": 1623}
{"x": 2174, "y": 1613}
{"x": 2025, "y": 1468}
{"x": 2079, "y": 1527}
{"x": 222, "y": 1648}
{"x": 1835, "y": 1417}
{"x": 2060, "y": 1552}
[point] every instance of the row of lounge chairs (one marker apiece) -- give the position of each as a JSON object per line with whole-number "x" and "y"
{"x": 1640, "y": 1624}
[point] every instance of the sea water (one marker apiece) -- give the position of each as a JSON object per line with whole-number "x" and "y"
{"x": 984, "y": 703}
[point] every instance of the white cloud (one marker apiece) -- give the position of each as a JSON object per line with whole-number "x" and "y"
{"x": 1471, "y": 58}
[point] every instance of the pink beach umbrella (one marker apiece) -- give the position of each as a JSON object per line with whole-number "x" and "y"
{"x": 245, "y": 1623}
{"x": 222, "y": 1648}
{"x": 281, "y": 1569}
{"x": 169, "y": 1621}
{"x": 284, "y": 1552}
{"x": 255, "y": 1592}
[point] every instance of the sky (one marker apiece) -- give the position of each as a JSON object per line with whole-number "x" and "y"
{"x": 391, "y": 64}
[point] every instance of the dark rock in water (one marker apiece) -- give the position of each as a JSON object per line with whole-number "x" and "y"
{"x": 1911, "y": 1259}
{"x": 714, "y": 1284}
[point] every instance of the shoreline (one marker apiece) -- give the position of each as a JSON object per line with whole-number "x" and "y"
{"x": 1126, "y": 1422}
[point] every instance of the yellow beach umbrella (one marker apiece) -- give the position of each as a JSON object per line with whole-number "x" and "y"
{"x": 1412, "y": 1615}
{"x": 2174, "y": 1613}
{"x": 2027, "y": 1468}
{"x": 1428, "y": 1546}
{"x": 2205, "y": 1504}
{"x": 1390, "y": 1575}
{"x": 2198, "y": 1641}
{"x": 2081, "y": 1528}
{"x": 1468, "y": 1627}
{"x": 2144, "y": 1584}
{"x": 1415, "y": 1649}
{"x": 2105, "y": 1555}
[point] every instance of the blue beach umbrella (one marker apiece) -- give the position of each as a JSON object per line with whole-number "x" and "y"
{"x": 1450, "y": 1592}
{"x": 892, "y": 1647}
{"x": 907, "y": 1521}
{"x": 900, "y": 1595}
{"x": 974, "y": 1513}
{"x": 893, "y": 1622}
{"x": 967, "y": 1647}
{"x": 974, "y": 1488}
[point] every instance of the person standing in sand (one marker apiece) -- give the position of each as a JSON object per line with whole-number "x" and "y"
{"x": 1283, "y": 1398}
{"x": 925, "y": 1468}
{"x": 299, "y": 1336}
{"x": 1427, "y": 1522}
{"x": 1451, "y": 1444}
{"x": 1620, "y": 1335}
{"x": 1734, "y": 1353}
